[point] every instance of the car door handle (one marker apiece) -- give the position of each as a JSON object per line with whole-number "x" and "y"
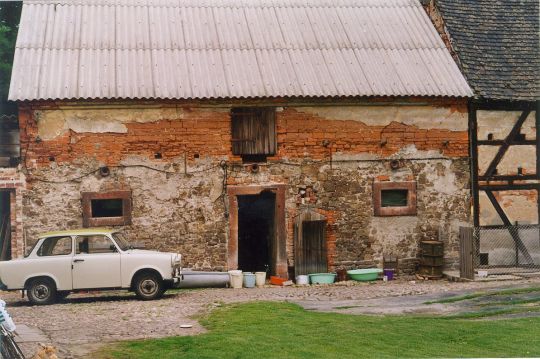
{"x": 78, "y": 260}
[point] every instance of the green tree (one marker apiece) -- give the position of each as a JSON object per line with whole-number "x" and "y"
{"x": 10, "y": 13}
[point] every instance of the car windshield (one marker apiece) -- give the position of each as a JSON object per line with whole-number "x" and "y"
{"x": 30, "y": 249}
{"x": 121, "y": 241}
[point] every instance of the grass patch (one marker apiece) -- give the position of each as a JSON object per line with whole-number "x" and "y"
{"x": 346, "y": 307}
{"x": 283, "y": 330}
{"x": 492, "y": 312}
{"x": 485, "y": 294}
{"x": 456, "y": 299}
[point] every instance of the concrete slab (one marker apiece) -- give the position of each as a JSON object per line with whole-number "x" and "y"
{"x": 492, "y": 276}
{"x": 26, "y": 334}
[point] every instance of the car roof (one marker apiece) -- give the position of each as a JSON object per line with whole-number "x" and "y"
{"x": 78, "y": 232}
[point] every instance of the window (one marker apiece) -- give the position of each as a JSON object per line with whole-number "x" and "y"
{"x": 394, "y": 198}
{"x": 106, "y": 209}
{"x": 95, "y": 244}
{"x": 55, "y": 246}
{"x": 253, "y": 133}
{"x": 9, "y": 141}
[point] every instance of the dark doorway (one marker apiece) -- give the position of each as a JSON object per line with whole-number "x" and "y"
{"x": 5, "y": 226}
{"x": 256, "y": 231}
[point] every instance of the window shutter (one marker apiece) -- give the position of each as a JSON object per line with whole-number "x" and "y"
{"x": 253, "y": 131}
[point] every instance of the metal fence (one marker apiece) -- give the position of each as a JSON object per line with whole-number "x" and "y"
{"x": 501, "y": 249}
{"x": 508, "y": 247}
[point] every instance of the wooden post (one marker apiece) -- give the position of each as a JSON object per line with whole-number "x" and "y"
{"x": 466, "y": 253}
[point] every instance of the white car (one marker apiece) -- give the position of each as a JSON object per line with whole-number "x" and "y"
{"x": 61, "y": 262}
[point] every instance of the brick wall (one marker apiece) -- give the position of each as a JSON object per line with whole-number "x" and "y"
{"x": 178, "y": 199}
{"x": 208, "y": 134}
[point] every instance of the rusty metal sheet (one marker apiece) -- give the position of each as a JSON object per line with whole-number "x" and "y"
{"x": 166, "y": 49}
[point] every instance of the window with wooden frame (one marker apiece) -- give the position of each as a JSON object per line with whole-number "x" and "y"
{"x": 394, "y": 198}
{"x": 106, "y": 208}
{"x": 253, "y": 133}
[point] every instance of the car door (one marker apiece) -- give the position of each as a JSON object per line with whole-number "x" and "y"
{"x": 54, "y": 259}
{"x": 96, "y": 263}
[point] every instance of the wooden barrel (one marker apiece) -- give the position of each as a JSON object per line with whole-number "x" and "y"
{"x": 431, "y": 259}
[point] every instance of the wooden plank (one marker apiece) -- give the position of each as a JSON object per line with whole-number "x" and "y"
{"x": 253, "y": 131}
{"x": 310, "y": 247}
{"x": 466, "y": 253}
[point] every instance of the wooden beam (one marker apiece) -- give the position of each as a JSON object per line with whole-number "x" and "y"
{"x": 514, "y": 233}
{"x": 473, "y": 154}
{"x": 511, "y": 143}
{"x": 511, "y": 137}
{"x": 509, "y": 187}
{"x": 502, "y": 105}
{"x": 537, "y": 124}
{"x": 508, "y": 177}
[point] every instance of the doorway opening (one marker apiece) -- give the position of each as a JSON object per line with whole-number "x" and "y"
{"x": 5, "y": 226}
{"x": 256, "y": 231}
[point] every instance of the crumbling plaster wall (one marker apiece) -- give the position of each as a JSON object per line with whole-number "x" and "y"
{"x": 520, "y": 206}
{"x": 178, "y": 199}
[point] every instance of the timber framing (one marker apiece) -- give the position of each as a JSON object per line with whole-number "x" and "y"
{"x": 491, "y": 181}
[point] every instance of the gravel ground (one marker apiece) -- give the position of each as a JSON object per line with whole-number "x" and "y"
{"x": 84, "y": 321}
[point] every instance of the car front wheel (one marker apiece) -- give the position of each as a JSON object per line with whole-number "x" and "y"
{"x": 42, "y": 291}
{"x": 149, "y": 286}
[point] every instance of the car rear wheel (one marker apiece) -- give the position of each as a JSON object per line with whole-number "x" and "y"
{"x": 149, "y": 286}
{"x": 42, "y": 291}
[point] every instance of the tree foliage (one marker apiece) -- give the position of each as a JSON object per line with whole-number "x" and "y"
{"x": 10, "y": 13}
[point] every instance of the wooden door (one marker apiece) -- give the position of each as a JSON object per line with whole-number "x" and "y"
{"x": 310, "y": 247}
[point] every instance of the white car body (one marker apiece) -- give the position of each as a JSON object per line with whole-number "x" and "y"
{"x": 74, "y": 271}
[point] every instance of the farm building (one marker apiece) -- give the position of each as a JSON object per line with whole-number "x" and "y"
{"x": 299, "y": 135}
{"x": 497, "y": 46}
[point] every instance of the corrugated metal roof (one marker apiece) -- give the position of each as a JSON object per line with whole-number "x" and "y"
{"x": 169, "y": 49}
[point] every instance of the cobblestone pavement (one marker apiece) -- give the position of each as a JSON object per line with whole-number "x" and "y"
{"x": 84, "y": 321}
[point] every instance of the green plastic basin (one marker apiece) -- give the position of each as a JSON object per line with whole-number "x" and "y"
{"x": 322, "y": 278}
{"x": 364, "y": 275}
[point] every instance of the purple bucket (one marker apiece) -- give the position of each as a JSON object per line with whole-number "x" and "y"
{"x": 389, "y": 273}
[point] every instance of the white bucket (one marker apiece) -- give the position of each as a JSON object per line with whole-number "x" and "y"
{"x": 302, "y": 280}
{"x": 260, "y": 279}
{"x": 236, "y": 278}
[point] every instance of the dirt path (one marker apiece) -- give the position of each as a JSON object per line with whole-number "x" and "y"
{"x": 85, "y": 321}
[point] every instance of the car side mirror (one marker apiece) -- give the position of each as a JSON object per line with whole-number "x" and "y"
{"x": 112, "y": 247}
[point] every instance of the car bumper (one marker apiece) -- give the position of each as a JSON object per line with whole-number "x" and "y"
{"x": 174, "y": 282}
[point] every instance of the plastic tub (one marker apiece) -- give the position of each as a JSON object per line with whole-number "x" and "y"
{"x": 249, "y": 280}
{"x": 260, "y": 279}
{"x": 364, "y": 275}
{"x": 322, "y": 278}
{"x": 275, "y": 280}
{"x": 302, "y": 280}
{"x": 236, "y": 278}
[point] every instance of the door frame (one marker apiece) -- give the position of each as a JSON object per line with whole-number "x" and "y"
{"x": 280, "y": 267}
